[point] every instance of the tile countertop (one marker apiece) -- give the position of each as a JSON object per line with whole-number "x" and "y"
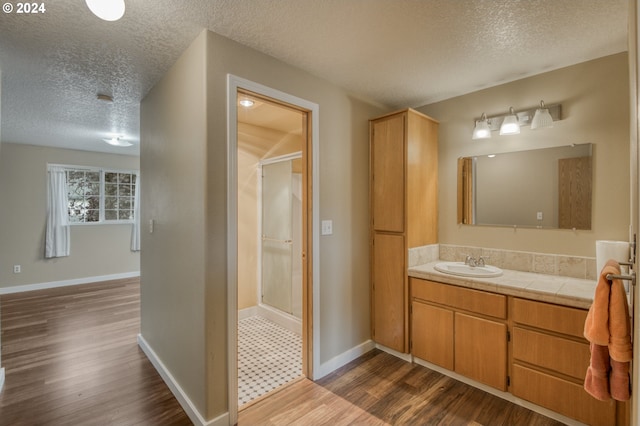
{"x": 565, "y": 291}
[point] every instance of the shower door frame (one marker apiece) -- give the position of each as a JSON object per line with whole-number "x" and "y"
{"x": 311, "y": 231}
{"x": 286, "y": 157}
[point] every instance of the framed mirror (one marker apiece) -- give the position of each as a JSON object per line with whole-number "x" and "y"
{"x": 541, "y": 188}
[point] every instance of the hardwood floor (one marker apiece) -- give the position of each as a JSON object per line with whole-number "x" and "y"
{"x": 380, "y": 389}
{"x": 71, "y": 358}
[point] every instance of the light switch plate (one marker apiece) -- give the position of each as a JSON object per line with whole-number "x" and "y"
{"x": 327, "y": 227}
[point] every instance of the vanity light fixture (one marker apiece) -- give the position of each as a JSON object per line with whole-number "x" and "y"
{"x": 510, "y": 125}
{"x": 542, "y": 118}
{"x": 482, "y": 129}
{"x": 108, "y": 10}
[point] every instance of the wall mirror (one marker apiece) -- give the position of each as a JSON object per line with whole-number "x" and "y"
{"x": 541, "y": 188}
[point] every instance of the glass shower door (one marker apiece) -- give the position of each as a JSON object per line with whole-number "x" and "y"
{"x": 277, "y": 235}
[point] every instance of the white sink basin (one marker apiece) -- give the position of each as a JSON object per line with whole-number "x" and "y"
{"x": 464, "y": 270}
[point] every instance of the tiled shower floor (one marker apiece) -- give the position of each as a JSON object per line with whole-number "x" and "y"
{"x": 268, "y": 357}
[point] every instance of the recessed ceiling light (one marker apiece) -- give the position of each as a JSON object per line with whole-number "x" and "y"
{"x": 108, "y": 10}
{"x": 117, "y": 141}
{"x": 246, "y": 103}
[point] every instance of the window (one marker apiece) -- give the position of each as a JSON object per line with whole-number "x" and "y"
{"x": 119, "y": 189}
{"x": 100, "y": 196}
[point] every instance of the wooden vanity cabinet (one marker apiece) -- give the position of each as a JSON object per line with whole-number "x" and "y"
{"x": 534, "y": 350}
{"x": 403, "y": 195}
{"x": 460, "y": 329}
{"x": 550, "y": 360}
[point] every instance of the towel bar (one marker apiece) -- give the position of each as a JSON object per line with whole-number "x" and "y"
{"x": 275, "y": 240}
{"x": 631, "y": 277}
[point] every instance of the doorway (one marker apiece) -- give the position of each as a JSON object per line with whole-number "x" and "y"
{"x": 263, "y": 142}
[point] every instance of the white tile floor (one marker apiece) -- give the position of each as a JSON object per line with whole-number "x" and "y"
{"x": 268, "y": 357}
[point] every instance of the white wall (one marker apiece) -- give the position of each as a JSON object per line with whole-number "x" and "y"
{"x": 96, "y": 250}
{"x": 595, "y": 108}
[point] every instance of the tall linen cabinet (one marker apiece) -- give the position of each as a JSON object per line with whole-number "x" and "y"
{"x": 404, "y": 214}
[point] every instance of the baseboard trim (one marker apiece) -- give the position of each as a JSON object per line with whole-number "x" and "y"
{"x": 343, "y": 359}
{"x": 64, "y": 283}
{"x": 174, "y": 387}
{"x": 1, "y": 378}
{"x": 249, "y": 312}
{"x": 283, "y": 319}
{"x": 403, "y": 356}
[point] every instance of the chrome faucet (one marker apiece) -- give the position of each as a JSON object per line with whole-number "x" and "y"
{"x": 471, "y": 261}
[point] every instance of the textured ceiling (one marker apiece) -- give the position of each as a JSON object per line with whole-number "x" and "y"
{"x": 397, "y": 53}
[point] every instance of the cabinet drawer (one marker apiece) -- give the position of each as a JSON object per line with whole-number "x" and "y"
{"x": 480, "y": 302}
{"x": 561, "y": 396}
{"x": 554, "y": 353}
{"x": 560, "y": 319}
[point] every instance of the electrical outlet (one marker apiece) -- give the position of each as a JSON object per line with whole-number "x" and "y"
{"x": 539, "y": 215}
{"x": 17, "y": 269}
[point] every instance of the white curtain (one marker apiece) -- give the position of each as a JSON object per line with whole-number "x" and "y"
{"x": 135, "y": 230}
{"x": 57, "y": 240}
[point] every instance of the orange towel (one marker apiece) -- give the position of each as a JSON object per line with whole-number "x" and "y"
{"x": 608, "y": 328}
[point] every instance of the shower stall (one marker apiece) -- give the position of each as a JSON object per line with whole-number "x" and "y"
{"x": 280, "y": 281}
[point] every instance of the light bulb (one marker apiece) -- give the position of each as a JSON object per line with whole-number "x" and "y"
{"x": 108, "y": 10}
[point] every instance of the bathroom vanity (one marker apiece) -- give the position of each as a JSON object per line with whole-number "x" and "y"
{"x": 520, "y": 333}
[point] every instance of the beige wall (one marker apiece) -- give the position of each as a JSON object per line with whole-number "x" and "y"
{"x": 173, "y": 165}
{"x": 184, "y": 161}
{"x": 595, "y": 109}
{"x": 96, "y": 250}
{"x": 0, "y": 216}
{"x": 344, "y": 256}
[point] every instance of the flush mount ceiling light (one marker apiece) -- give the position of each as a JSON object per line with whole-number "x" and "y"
{"x": 108, "y": 10}
{"x": 542, "y": 118}
{"x": 538, "y": 117}
{"x": 247, "y": 103}
{"x": 482, "y": 129}
{"x": 117, "y": 141}
{"x": 510, "y": 125}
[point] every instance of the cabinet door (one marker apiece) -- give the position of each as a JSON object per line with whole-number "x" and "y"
{"x": 481, "y": 350}
{"x": 387, "y": 173}
{"x": 432, "y": 334}
{"x": 389, "y": 293}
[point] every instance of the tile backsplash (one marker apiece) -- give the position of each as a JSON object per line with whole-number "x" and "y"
{"x": 541, "y": 263}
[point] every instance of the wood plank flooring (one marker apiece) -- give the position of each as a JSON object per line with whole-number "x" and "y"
{"x": 380, "y": 389}
{"x": 71, "y": 358}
